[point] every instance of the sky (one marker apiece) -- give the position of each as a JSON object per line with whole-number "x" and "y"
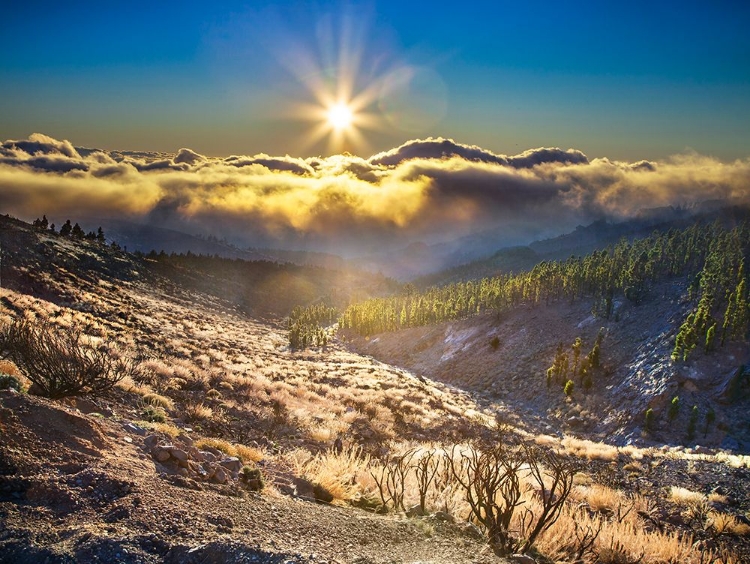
{"x": 636, "y": 80}
{"x": 354, "y": 127}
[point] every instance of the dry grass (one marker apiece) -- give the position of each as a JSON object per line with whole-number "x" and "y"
{"x": 158, "y": 401}
{"x": 601, "y": 498}
{"x": 197, "y": 412}
{"x": 345, "y": 475}
{"x": 243, "y": 452}
{"x": 685, "y": 497}
{"x": 163, "y": 428}
{"x": 723, "y": 523}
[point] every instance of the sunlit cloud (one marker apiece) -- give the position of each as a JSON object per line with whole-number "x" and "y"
{"x": 425, "y": 190}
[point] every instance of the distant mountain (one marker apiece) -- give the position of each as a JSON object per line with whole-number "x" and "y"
{"x": 145, "y": 238}
{"x": 585, "y": 239}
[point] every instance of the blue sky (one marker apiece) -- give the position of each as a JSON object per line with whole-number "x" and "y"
{"x": 628, "y": 81}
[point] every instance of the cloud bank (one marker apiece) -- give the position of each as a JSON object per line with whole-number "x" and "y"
{"x": 427, "y": 190}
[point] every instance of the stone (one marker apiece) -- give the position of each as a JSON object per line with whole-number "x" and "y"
{"x": 220, "y": 476}
{"x": 233, "y": 464}
{"x": 522, "y": 559}
{"x": 207, "y": 456}
{"x": 179, "y": 454}
{"x": 151, "y": 441}
{"x": 134, "y": 429}
{"x": 161, "y": 454}
{"x": 415, "y": 511}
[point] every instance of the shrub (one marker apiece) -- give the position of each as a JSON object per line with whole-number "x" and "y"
{"x": 153, "y": 414}
{"x": 252, "y": 478}
{"x": 692, "y": 423}
{"x": 8, "y": 382}
{"x": 62, "y": 362}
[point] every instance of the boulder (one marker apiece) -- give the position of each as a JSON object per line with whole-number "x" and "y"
{"x": 161, "y": 454}
{"x": 233, "y": 464}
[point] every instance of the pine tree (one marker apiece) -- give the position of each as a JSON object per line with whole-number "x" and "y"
{"x": 66, "y": 229}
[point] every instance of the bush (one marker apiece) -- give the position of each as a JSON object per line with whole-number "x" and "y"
{"x": 62, "y": 362}
{"x": 153, "y": 414}
{"x": 252, "y": 478}
{"x": 8, "y": 382}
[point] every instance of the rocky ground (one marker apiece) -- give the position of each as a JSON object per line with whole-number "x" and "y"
{"x": 636, "y": 373}
{"x": 87, "y": 488}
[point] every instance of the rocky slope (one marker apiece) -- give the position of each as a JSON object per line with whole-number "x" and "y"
{"x": 636, "y": 373}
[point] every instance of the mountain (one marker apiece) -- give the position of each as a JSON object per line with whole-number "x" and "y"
{"x": 220, "y": 442}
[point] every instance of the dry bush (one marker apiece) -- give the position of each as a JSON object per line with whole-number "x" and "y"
{"x": 343, "y": 474}
{"x": 197, "y": 412}
{"x": 63, "y": 362}
{"x": 685, "y": 497}
{"x": 492, "y": 477}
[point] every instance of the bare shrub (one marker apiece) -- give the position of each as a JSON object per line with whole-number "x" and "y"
{"x": 63, "y": 362}
{"x": 391, "y": 480}
{"x": 491, "y": 477}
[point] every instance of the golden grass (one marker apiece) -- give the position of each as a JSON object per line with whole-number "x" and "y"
{"x": 198, "y": 412}
{"x": 164, "y": 428}
{"x": 685, "y": 497}
{"x": 345, "y": 475}
{"x": 243, "y": 452}
{"x": 158, "y": 400}
{"x": 723, "y": 523}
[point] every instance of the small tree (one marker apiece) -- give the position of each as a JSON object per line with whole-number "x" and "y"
{"x": 674, "y": 408}
{"x": 569, "y": 385}
{"x": 649, "y": 425}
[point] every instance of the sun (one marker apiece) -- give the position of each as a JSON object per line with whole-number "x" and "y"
{"x": 340, "y": 116}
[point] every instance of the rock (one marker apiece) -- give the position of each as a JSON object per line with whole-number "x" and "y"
{"x": 443, "y": 516}
{"x": 415, "y": 511}
{"x": 233, "y": 464}
{"x": 219, "y": 476}
{"x": 134, "y": 429}
{"x": 206, "y": 456}
{"x": 179, "y": 454}
{"x": 151, "y": 441}
{"x": 161, "y": 454}
{"x": 730, "y": 443}
{"x": 522, "y": 559}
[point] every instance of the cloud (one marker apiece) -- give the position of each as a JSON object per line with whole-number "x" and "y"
{"x": 428, "y": 190}
{"x": 439, "y": 148}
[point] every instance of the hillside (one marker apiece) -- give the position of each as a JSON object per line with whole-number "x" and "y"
{"x": 167, "y": 465}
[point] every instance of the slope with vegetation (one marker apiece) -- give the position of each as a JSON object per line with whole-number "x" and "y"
{"x": 211, "y": 439}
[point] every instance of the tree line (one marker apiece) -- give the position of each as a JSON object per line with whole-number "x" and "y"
{"x": 710, "y": 255}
